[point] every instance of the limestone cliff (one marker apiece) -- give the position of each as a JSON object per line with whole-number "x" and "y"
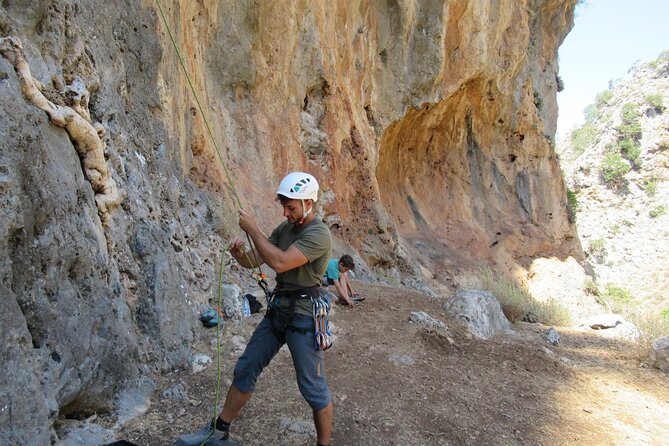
{"x": 428, "y": 123}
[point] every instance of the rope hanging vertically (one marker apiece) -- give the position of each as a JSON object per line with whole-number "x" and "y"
{"x": 258, "y": 275}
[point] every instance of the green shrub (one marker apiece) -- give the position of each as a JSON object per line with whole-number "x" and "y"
{"x": 659, "y": 210}
{"x": 538, "y": 101}
{"x": 661, "y": 59}
{"x": 583, "y": 137}
{"x": 596, "y": 246}
{"x": 664, "y": 314}
{"x": 650, "y": 188}
{"x": 591, "y": 113}
{"x": 656, "y": 101}
{"x": 631, "y": 131}
{"x": 630, "y": 113}
{"x": 617, "y": 298}
{"x": 590, "y": 287}
{"x": 572, "y": 206}
{"x": 559, "y": 83}
{"x": 631, "y": 150}
{"x": 603, "y": 98}
{"x": 613, "y": 169}
{"x": 519, "y": 305}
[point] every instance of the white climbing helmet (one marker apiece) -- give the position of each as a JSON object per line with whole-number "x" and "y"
{"x": 299, "y": 186}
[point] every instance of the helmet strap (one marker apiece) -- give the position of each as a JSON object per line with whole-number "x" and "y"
{"x": 305, "y": 212}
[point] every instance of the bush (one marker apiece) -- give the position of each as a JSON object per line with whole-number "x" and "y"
{"x": 583, "y": 137}
{"x": 596, "y": 249}
{"x": 538, "y": 101}
{"x": 656, "y": 101}
{"x": 659, "y": 210}
{"x": 591, "y": 113}
{"x": 650, "y": 188}
{"x": 630, "y": 114}
{"x": 661, "y": 59}
{"x": 603, "y": 98}
{"x": 630, "y": 131}
{"x": 630, "y": 150}
{"x": 613, "y": 169}
{"x": 519, "y": 305}
{"x": 617, "y": 298}
{"x": 664, "y": 314}
{"x": 559, "y": 83}
{"x": 591, "y": 288}
{"x": 572, "y": 206}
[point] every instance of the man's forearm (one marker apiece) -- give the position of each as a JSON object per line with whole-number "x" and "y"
{"x": 251, "y": 259}
{"x": 266, "y": 250}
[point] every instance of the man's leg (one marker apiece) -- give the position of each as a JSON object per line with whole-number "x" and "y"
{"x": 260, "y": 350}
{"x": 310, "y": 370}
{"x": 323, "y": 420}
{"x": 234, "y": 401}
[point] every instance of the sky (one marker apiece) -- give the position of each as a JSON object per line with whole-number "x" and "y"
{"x": 608, "y": 37}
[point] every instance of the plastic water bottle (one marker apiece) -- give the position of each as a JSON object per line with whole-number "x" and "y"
{"x": 246, "y": 308}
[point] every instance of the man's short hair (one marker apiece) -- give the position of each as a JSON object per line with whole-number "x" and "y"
{"x": 347, "y": 261}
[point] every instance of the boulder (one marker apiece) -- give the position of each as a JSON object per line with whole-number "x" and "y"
{"x": 480, "y": 311}
{"x": 659, "y": 353}
{"x": 551, "y": 335}
{"x": 422, "y": 318}
{"x": 232, "y": 301}
{"x": 199, "y": 362}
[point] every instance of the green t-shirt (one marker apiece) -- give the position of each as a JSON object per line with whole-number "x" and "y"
{"x": 315, "y": 242}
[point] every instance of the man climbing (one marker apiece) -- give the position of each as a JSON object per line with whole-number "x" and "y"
{"x": 298, "y": 250}
{"x": 336, "y": 274}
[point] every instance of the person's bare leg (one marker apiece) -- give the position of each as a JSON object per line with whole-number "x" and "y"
{"x": 346, "y": 286}
{"x": 323, "y": 421}
{"x": 234, "y": 401}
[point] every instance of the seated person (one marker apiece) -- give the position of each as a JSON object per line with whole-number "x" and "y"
{"x": 335, "y": 274}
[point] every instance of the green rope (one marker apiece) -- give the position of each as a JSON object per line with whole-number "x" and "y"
{"x": 208, "y": 126}
{"x": 255, "y": 264}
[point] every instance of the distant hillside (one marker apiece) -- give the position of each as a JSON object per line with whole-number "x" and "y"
{"x": 616, "y": 167}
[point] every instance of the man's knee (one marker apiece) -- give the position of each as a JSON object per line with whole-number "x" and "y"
{"x": 246, "y": 375}
{"x": 317, "y": 398}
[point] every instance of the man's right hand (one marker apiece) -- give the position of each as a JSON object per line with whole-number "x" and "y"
{"x": 237, "y": 248}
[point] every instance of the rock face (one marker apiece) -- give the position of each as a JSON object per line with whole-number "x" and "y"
{"x": 427, "y": 123}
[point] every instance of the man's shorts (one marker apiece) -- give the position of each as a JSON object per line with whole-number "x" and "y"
{"x": 309, "y": 363}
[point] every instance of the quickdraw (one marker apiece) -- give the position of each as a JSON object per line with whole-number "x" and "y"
{"x": 321, "y": 309}
{"x": 260, "y": 277}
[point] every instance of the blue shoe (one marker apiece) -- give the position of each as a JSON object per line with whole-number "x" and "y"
{"x": 204, "y": 435}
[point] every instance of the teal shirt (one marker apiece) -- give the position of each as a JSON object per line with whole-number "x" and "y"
{"x": 332, "y": 272}
{"x": 315, "y": 242}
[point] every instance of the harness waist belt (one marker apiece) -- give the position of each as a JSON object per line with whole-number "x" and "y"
{"x": 304, "y": 293}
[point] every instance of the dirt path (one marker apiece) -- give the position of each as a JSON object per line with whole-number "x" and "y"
{"x": 444, "y": 388}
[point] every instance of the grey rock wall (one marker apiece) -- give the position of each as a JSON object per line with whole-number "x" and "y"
{"x": 88, "y": 308}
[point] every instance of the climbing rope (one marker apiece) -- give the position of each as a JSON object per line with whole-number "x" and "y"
{"x": 258, "y": 275}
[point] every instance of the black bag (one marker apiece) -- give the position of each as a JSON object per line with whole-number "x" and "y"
{"x": 254, "y": 305}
